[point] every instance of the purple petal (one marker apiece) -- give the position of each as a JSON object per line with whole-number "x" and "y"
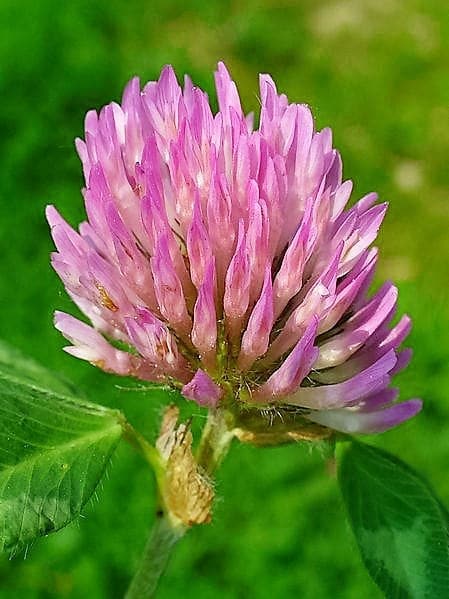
{"x": 204, "y": 331}
{"x": 348, "y": 289}
{"x": 288, "y": 279}
{"x": 358, "y": 329}
{"x": 156, "y": 344}
{"x": 198, "y": 246}
{"x": 236, "y": 294}
{"x": 89, "y": 345}
{"x": 317, "y": 298}
{"x": 203, "y": 390}
{"x": 287, "y": 378}
{"x": 353, "y": 421}
{"x": 168, "y": 288}
{"x": 348, "y": 392}
{"x": 227, "y": 93}
{"x": 257, "y": 334}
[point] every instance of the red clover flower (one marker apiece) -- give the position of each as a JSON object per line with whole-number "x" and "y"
{"x": 222, "y": 259}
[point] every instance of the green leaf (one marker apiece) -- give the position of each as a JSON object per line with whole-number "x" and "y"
{"x": 54, "y": 449}
{"x": 399, "y": 524}
{"x": 15, "y": 365}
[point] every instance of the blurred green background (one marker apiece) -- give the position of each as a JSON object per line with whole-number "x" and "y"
{"x": 377, "y": 72}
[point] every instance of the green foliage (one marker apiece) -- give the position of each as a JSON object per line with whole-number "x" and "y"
{"x": 21, "y": 369}
{"x": 399, "y": 524}
{"x": 53, "y": 451}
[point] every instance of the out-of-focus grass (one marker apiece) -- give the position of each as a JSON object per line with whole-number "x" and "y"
{"x": 377, "y": 73}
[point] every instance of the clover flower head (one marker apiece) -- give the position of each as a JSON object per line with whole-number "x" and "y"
{"x": 223, "y": 259}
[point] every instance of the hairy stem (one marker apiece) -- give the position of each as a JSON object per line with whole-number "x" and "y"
{"x": 167, "y": 528}
{"x": 160, "y": 543}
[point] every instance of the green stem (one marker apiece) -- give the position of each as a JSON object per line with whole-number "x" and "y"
{"x": 163, "y": 538}
{"x": 215, "y": 440}
{"x": 214, "y": 444}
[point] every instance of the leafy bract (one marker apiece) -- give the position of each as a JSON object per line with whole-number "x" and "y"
{"x": 399, "y": 524}
{"x": 54, "y": 449}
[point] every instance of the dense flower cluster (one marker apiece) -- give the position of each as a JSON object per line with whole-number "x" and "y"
{"x": 220, "y": 258}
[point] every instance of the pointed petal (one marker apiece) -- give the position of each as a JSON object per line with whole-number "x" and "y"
{"x": 168, "y": 289}
{"x": 350, "y": 392}
{"x": 89, "y": 345}
{"x": 288, "y": 377}
{"x": 351, "y": 422}
{"x": 203, "y": 390}
{"x": 236, "y": 293}
{"x": 204, "y": 330}
{"x": 257, "y": 334}
{"x": 198, "y": 246}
